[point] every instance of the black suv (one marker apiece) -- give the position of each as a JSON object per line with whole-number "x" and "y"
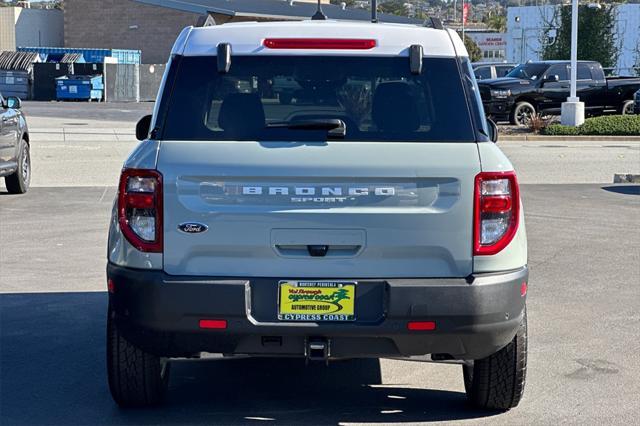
{"x": 15, "y": 160}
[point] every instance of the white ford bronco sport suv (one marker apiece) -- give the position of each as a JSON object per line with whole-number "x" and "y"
{"x": 368, "y": 214}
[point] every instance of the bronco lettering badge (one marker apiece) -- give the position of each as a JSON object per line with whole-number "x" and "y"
{"x": 192, "y": 227}
{"x": 325, "y": 194}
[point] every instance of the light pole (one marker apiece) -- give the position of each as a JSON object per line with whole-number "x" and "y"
{"x": 463, "y": 21}
{"x": 572, "y": 113}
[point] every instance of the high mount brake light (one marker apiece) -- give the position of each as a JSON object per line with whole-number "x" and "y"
{"x": 140, "y": 208}
{"x": 496, "y": 211}
{"x": 319, "y": 43}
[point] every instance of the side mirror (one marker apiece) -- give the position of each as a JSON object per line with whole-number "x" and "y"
{"x": 551, "y": 79}
{"x": 13, "y": 102}
{"x": 143, "y": 127}
{"x": 493, "y": 130}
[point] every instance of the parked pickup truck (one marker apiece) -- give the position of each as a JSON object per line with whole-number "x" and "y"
{"x": 543, "y": 86}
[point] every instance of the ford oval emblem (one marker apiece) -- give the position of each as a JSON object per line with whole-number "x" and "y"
{"x": 192, "y": 227}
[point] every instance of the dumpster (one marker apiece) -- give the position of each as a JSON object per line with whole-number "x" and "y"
{"x": 79, "y": 87}
{"x": 15, "y": 83}
{"x": 44, "y": 79}
{"x": 16, "y": 70}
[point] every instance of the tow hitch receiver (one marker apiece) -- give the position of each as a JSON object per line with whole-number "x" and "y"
{"x": 317, "y": 349}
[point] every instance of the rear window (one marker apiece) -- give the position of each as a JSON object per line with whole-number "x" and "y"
{"x": 528, "y": 71}
{"x": 483, "y": 73}
{"x": 501, "y": 71}
{"x": 262, "y": 98}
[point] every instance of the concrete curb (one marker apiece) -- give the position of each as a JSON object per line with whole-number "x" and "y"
{"x": 625, "y": 178}
{"x": 543, "y": 138}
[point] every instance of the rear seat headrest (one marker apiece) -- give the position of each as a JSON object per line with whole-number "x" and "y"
{"x": 242, "y": 115}
{"x": 395, "y": 108}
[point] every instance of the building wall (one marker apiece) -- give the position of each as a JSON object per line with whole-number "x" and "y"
{"x": 124, "y": 24}
{"x": 524, "y": 35}
{"x": 492, "y": 45}
{"x": 7, "y": 28}
{"x": 39, "y": 27}
{"x": 525, "y": 27}
{"x": 628, "y": 29}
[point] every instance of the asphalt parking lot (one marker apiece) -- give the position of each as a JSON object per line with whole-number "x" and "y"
{"x": 584, "y": 252}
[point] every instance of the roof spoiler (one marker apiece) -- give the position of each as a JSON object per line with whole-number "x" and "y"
{"x": 224, "y": 58}
{"x": 415, "y": 58}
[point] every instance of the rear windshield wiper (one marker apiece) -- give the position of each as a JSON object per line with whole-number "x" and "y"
{"x": 334, "y": 126}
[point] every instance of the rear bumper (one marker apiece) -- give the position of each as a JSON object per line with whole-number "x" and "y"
{"x": 474, "y": 317}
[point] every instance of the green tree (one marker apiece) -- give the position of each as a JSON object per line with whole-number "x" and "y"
{"x": 596, "y": 35}
{"x": 475, "y": 54}
{"x": 394, "y": 7}
{"x": 497, "y": 22}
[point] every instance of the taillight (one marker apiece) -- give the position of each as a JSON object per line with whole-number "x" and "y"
{"x": 496, "y": 211}
{"x": 140, "y": 208}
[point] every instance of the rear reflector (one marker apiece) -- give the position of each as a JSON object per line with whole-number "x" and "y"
{"x": 111, "y": 287}
{"x": 319, "y": 43}
{"x": 215, "y": 324}
{"x": 523, "y": 288}
{"x": 421, "y": 325}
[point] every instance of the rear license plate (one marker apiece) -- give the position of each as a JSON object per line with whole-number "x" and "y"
{"x": 316, "y": 300}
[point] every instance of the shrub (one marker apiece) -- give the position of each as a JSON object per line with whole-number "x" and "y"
{"x": 608, "y": 125}
{"x": 612, "y": 125}
{"x": 560, "y": 130}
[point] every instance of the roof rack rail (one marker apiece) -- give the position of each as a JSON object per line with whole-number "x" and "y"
{"x": 205, "y": 20}
{"x": 434, "y": 23}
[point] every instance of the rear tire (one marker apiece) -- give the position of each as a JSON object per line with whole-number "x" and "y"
{"x": 521, "y": 113}
{"x": 497, "y": 381}
{"x": 18, "y": 182}
{"x": 136, "y": 378}
{"x": 627, "y": 107}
